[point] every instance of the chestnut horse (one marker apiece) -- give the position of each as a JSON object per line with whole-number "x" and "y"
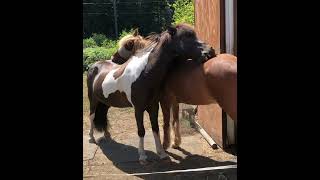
{"x": 214, "y": 81}
{"x": 138, "y": 82}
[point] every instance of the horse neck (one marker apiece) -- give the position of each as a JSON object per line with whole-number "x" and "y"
{"x": 118, "y": 59}
{"x": 158, "y": 65}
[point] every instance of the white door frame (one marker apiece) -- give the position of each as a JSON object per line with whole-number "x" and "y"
{"x": 229, "y": 30}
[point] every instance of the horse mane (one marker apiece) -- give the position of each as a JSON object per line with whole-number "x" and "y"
{"x": 142, "y": 44}
{"x": 186, "y": 25}
{"x": 124, "y": 40}
{"x": 152, "y": 39}
{"x": 139, "y": 42}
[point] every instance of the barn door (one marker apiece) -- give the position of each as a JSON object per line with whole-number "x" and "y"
{"x": 212, "y": 27}
{"x": 210, "y": 30}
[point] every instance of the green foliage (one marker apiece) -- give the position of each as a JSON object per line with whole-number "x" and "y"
{"x": 125, "y": 32}
{"x": 89, "y": 42}
{"x": 149, "y": 16}
{"x": 183, "y": 12}
{"x": 91, "y": 55}
{"x": 99, "y": 38}
{"x": 108, "y": 43}
{"x": 94, "y": 49}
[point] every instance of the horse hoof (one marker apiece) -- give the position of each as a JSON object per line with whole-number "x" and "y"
{"x": 143, "y": 162}
{"x": 92, "y": 141}
{"x": 166, "y": 159}
{"x": 163, "y": 155}
{"x": 107, "y": 135}
{"x": 174, "y": 146}
{"x": 165, "y": 146}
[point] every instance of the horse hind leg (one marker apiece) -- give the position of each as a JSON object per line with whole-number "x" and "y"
{"x": 91, "y": 133}
{"x": 176, "y": 125}
{"x": 92, "y": 117}
{"x": 92, "y": 72}
{"x": 165, "y": 107}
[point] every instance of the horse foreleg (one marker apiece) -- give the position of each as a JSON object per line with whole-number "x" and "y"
{"x": 141, "y": 133}
{"x": 176, "y": 124}
{"x": 153, "y": 114}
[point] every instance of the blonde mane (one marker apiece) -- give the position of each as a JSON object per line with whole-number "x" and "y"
{"x": 138, "y": 41}
{"x": 125, "y": 39}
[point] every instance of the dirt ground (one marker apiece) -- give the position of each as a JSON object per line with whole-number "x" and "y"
{"x": 114, "y": 158}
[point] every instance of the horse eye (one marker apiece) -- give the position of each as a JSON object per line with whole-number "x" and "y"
{"x": 189, "y": 35}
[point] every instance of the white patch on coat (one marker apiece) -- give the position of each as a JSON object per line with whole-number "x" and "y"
{"x": 159, "y": 148}
{"x": 129, "y": 76}
{"x": 141, "y": 151}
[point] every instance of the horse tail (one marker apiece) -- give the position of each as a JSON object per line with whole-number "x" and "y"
{"x": 98, "y": 111}
{"x": 100, "y": 118}
{"x": 92, "y": 73}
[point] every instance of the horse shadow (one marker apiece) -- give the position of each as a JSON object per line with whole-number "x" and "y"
{"x": 125, "y": 157}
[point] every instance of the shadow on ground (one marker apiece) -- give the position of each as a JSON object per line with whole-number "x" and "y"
{"x": 125, "y": 157}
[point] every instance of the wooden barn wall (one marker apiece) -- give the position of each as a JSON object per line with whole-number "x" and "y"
{"x": 208, "y": 28}
{"x": 207, "y": 22}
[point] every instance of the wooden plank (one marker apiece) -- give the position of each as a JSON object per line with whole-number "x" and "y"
{"x": 210, "y": 119}
{"x": 207, "y": 22}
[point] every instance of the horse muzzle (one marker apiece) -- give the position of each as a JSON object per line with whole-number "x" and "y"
{"x": 207, "y": 54}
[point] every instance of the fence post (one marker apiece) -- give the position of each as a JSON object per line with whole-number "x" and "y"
{"x": 115, "y": 14}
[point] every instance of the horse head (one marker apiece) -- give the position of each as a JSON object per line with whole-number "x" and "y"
{"x": 128, "y": 45}
{"x": 186, "y": 45}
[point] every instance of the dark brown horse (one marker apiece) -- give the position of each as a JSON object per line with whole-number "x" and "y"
{"x": 139, "y": 83}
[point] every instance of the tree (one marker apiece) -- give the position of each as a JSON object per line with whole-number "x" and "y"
{"x": 183, "y": 11}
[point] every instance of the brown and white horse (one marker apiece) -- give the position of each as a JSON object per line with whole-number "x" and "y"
{"x": 138, "y": 82}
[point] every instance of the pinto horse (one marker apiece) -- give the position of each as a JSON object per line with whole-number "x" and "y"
{"x": 127, "y": 47}
{"x": 138, "y": 84}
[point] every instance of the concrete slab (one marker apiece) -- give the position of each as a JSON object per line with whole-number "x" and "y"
{"x": 89, "y": 149}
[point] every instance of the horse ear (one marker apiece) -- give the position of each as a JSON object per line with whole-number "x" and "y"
{"x": 172, "y": 30}
{"x": 136, "y": 32}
